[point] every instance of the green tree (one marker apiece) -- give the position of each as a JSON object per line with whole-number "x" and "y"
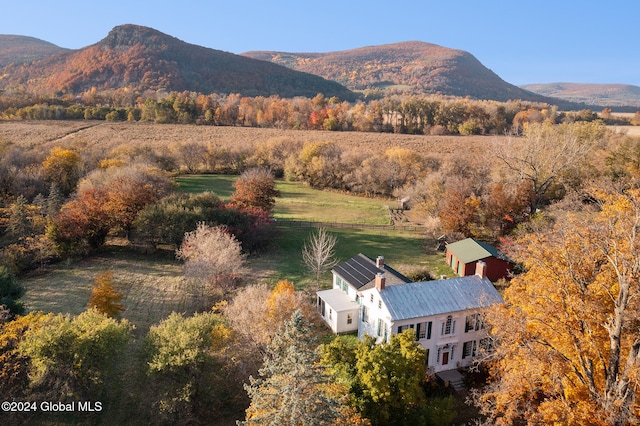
{"x": 72, "y": 356}
{"x": 185, "y": 364}
{"x": 10, "y": 292}
{"x": 384, "y": 382}
{"x": 19, "y": 223}
{"x": 290, "y": 387}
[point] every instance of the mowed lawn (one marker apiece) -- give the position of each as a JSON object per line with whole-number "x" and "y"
{"x": 154, "y": 284}
{"x": 300, "y": 202}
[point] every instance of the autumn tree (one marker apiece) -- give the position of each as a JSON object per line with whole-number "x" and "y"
{"x": 213, "y": 257}
{"x": 567, "y": 342}
{"x": 256, "y": 312}
{"x": 185, "y": 363}
{"x": 318, "y": 253}
{"x": 104, "y": 297}
{"x": 255, "y": 188}
{"x": 63, "y": 167}
{"x": 14, "y": 366}
{"x": 545, "y": 152}
{"x": 70, "y": 356}
{"x": 290, "y": 387}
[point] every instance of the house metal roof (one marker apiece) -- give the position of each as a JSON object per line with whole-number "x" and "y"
{"x": 338, "y": 301}
{"x": 361, "y": 270}
{"x": 470, "y": 250}
{"x": 415, "y": 300}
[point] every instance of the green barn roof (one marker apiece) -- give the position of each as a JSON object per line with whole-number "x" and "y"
{"x": 470, "y": 250}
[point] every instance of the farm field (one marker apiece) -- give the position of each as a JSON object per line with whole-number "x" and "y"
{"x": 47, "y": 134}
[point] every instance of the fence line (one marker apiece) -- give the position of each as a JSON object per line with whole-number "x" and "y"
{"x": 312, "y": 224}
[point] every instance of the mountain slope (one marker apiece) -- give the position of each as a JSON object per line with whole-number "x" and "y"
{"x": 614, "y": 95}
{"x": 142, "y": 58}
{"x": 20, "y": 49}
{"x": 418, "y": 66}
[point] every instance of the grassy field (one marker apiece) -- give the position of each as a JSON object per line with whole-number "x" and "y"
{"x": 300, "y": 202}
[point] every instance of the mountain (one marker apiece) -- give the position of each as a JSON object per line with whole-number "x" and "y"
{"x": 141, "y": 58}
{"x": 614, "y": 95}
{"x": 15, "y": 49}
{"x": 415, "y": 65}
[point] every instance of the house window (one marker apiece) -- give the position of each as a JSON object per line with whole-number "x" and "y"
{"x": 330, "y": 313}
{"x": 349, "y": 319}
{"x": 449, "y": 326}
{"x": 472, "y": 323}
{"x": 371, "y": 298}
{"x": 468, "y": 349}
{"x": 380, "y": 304}
{"x": 365, "y": 315}
{"x": 358, "y": 301}
{"x": 426, "y": 358}
{"x": 486, "y": 344}
{"x": 379, "y": 327}
{"x": 423, "y": 330}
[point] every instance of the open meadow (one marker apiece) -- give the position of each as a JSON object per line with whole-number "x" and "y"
{"x": 107, "y": 135}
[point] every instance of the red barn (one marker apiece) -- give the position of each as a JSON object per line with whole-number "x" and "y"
{"x": 463, "y": 255}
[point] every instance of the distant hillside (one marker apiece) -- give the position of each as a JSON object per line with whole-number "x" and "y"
{"x": 422, "y": 67}
{"x": 15, "y": 49}
{"x": 142, "y": 58}
{"x": 614, "y": 95}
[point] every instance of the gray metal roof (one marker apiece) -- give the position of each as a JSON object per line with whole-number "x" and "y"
{"x": 360, "y": 271}
{"x": 470, "y": 250}
{"x": 414, "y": 300}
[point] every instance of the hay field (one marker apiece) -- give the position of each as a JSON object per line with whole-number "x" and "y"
{"x": 106, "y": 135}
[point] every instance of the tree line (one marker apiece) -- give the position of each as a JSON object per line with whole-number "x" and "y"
{"x": 430, "y": 115}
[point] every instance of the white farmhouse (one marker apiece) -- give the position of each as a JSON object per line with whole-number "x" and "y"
{"x": 445, "y": 314}
{"x": 340, "y": 305}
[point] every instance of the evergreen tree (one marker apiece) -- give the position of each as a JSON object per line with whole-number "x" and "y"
{"x": 290, "y": 389}
{"x": 10, "y": 292}
{"x": 19, "y": 223}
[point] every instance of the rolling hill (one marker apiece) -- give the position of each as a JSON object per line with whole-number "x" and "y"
{"x": 418, "y": 66}
{"x": 15, "y": 49}
{"x": 614, "y": 95}
{"x": 141, "y": 58}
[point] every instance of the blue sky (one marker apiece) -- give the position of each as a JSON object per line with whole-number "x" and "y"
{"x": 540, "y": 41}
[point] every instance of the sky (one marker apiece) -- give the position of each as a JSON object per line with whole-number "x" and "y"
{"x": 524, "y": 42}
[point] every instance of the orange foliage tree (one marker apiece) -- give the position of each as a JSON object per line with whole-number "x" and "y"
{"x": 104, "y": 297}
{"x": 255, "y": 189}
{"x": 568, "y": 348}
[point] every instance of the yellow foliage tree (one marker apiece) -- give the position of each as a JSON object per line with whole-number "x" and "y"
{"x": 62, "y": 167}
{"x": 104, "y": 297}
{"x": 567, "y": 341}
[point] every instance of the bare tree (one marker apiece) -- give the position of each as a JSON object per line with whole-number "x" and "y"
{"x": 546, "y": 153}
{"x": 318, "y": 253}
{"x": 212, "y": 256}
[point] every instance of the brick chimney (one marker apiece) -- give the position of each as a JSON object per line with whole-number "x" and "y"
{"x": 380, "y": 281}
{"x": 481, "y": 269}
{"x": 380, "y": 262}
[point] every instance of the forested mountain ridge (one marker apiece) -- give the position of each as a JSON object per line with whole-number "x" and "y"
{"x": 600, "y": 94}
{"x": 16, "y": 49}
{"x": 141, "y": 58}
{"x": 420, "y": 67}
